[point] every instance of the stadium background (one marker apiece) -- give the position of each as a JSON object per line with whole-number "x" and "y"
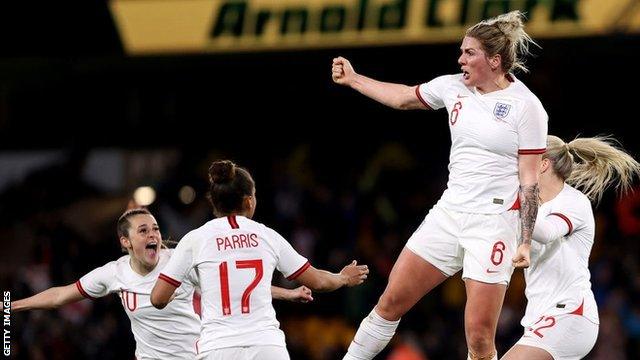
{"x": 84, "y": 122}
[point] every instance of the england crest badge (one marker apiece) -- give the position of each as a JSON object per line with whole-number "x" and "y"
{"x": 501, "y": 110}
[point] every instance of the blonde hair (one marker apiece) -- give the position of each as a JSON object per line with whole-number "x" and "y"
{"x": 504, "y": 35}
{"x": 592, "y": 164}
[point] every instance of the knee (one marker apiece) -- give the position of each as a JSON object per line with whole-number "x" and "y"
{"x": 480, "y": 338}
{"x": 390, "y": 307}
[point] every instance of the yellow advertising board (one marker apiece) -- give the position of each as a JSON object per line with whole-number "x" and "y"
{"x": 196, "y": 26}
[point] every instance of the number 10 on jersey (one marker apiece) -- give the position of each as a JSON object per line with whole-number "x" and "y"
{"x": 224, "y": 284}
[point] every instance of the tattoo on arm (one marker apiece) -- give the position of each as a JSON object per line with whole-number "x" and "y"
{"x": 528, "y": 210}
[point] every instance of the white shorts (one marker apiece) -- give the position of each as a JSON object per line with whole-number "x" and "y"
{"x": 565, "y": 336}
{"x": 262, "y": 352}
{"x": 480, "y": 244}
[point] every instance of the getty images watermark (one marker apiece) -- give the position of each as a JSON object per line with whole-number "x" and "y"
{"x": 6, "y": 323}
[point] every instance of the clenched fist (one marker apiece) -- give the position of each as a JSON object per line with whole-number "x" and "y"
{"x": 342, "y": 72}
{"x": 522, "y": 257}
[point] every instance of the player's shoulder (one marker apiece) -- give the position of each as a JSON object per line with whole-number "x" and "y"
{"x": 261, "y": 230}
{"x": 525, "y": 94}
{"x": 574, "y": 198}
{"x": 120, "y": 262}
{"x": 223, "y": 226}
{"x": 200, "y": 232}
{"x": 450, "y": 79}
{"x": 250, "y": 223}
{"x": 445, "y": 86}
{"x": 114, "y": 267}
{"x": 570, "y": 191}
{"x": 457, "y": 77}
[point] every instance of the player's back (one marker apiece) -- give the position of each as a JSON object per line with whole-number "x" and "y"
{"x": 234, "y": 258}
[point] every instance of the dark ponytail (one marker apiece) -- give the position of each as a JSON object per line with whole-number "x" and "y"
{"x": 228, "y": 185}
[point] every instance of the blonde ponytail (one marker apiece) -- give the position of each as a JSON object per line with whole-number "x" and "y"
{"x": 593, "y": 164}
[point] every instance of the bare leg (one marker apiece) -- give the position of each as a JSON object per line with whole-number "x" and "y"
{"x": 524, "y": 352}
{"x": 484, "y": 302}
{"x": 411, "y": 278}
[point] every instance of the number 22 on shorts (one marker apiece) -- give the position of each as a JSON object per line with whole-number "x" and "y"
{"x": 549, "y": 321}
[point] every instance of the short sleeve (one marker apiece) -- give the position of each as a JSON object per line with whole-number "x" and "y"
{"x": 575, "y": 215}
{"x": 563, "y": 219}
{"x": 99, "y": 282}
{"x": 532, "y": 130}
{"x": 431, "y": 94}
{"x": 290, "y": 263}
{"x": 181, "y": 263}
{"x": 192, "y": 276}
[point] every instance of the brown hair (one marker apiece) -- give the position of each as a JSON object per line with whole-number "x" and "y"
{"x": 592, "y": 164}
{"x": 123, "y": 222}
{"x": 228, "y": 185}
{"x": 504, "y": 35}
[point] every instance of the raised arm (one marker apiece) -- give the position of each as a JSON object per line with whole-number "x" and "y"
{"x": 49, "y": 299}
{"x": 528, "y": 168}
{"x": 324, "y": 281}
{"x": 397, "y": 96}
{"x": 300, "y": 294}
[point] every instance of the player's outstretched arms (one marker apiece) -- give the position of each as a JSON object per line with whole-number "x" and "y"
{"x": 49, "y": 299}
{"x": 300, "y": 294}
{"x": 397, "y": 96}
{"x": 323, "y": 281}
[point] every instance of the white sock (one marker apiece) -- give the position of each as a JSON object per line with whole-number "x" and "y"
{"x": 372, "y": 336}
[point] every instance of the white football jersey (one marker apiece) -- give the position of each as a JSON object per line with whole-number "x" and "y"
{"x": 170, "y": 333}
{"x": 558, "y": 280}
{"x": 234, "y": 258}
{"x": 488, "y": 131}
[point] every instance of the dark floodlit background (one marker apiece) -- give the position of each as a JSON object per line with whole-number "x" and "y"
{"x": 82, "y": 125}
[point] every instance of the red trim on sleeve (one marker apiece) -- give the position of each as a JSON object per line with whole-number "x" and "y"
{"x": 171, "y": 281}
{"x": 233, "y": 222}
{"x": 299, "y": 272}
{"x": 421, "y": 99}
{"x": 531, "y": 151}
{"x": 580, "y": 310}
{"x": 566, "y": 219}
{"x": 82, "y": 292}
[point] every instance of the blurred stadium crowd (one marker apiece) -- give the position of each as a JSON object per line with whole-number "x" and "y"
{"x": 58, "y": 216}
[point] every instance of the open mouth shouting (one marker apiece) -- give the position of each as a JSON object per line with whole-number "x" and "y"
{"x": 465, "y": 74}
{"x": 151, "y": 250}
